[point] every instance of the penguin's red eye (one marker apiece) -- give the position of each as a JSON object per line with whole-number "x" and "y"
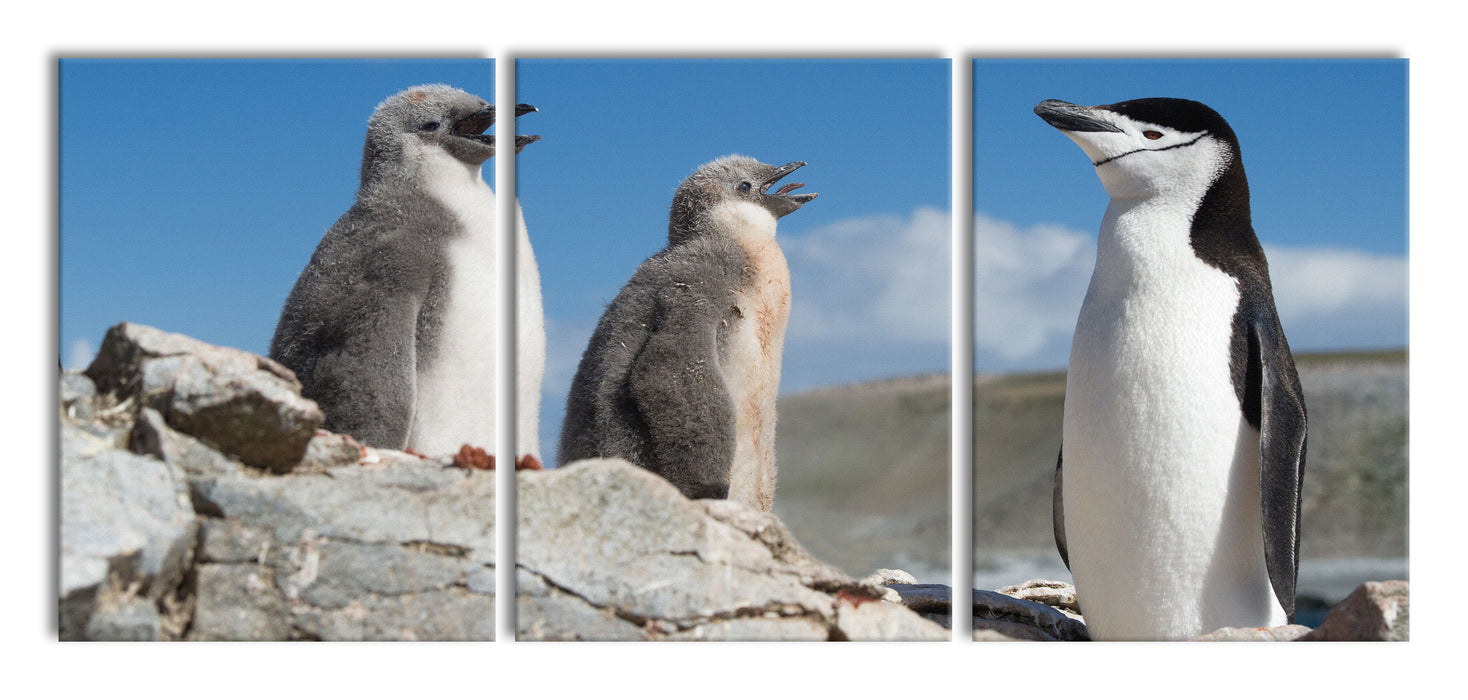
{"x": 1152, "y": 135}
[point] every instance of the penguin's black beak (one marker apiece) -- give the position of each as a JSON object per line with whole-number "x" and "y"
{"x": 1069, "y": 117}
{"x": 473, "y": 126}
{"x": 784, "y": 191}
{"x": 523, "y": 140}
{"x": 781, "y": 202}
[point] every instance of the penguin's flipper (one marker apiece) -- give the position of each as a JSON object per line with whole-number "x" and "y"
{"x": 1058, "y": 512}
{"x": 676, "y": 386}
{"x": 367, "y": 387}
{"x": 1281, "y": 406}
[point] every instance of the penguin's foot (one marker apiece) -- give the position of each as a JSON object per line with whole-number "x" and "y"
{"x": 415, "y": 453}
{"x": 855, "y": 599}
{"x": 471, "y": 457}
{"x": 528, "y": 462}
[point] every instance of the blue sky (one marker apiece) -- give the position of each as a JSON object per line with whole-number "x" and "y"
{"x": 1325, "y": 148}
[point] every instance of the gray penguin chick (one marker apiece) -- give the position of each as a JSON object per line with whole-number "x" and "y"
{"x": 681, "y": 374}
{"x": 391, "y": 326}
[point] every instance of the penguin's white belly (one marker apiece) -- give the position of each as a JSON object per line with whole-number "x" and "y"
{"x": 530, "y": 344}
{"x": 454, "y": 395}
{"x": 1161, "y": 471}
{"x": 751, "y": 371}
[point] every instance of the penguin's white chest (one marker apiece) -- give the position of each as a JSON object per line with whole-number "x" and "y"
{"x": 454, "y": 397}
{"x": 751, "y": 366}
{"x": 1161, "y": 471}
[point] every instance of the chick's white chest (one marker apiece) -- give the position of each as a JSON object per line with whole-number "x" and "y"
{"x": 752, "y": 355}
{"x": 454, "y": 399}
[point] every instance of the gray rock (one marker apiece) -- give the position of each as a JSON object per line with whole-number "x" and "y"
{"x": 611, "y": 551}
{"x": 232, "y": 518}
{"x": 126, "y": 523}
{"x": 152, "y": 436}
{"x": 124, "y": 618}
{"x": 230, "y": 542}
{"x": 1018, "y": 618}
{"x": 1283, "y": 633}
{"x": 1375, "y": 611}
{"x": 1056, "y": 594}
{"x": 243, "y": 404}
{"x": 887, "y": 577}
{"x": 330, "y": 449}
{"x": 452, "y": 614}
{"x": 882, "y": 578}
{"x": 1009, "y": 615}
{"x": 77, "y": 396}
{"x": 774, "y": 628}
{"x": 924, "y": 598}
{"x": 239, "y": 602}
{"x": 351, "y": 554}
{"x": 873, "y": 621}
{"x": 545, "y": 613}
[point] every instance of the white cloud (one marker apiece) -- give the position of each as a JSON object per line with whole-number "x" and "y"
{"x": 1317, "y": 282}
{"x": 565, "y": 341}
{"x": 872, "y": 278}
{"x": 1029, "y": 284}
{"x": 80, "y": 354}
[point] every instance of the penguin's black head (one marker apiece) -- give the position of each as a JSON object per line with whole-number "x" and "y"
{"x": 734, "y": 191}
{"x": 1142, "y": 147}
{"x": 425, "y": 119}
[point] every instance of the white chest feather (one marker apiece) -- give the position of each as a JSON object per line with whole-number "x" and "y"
{"x": 529, "y": 343}
{"x": 751, "y": 361}
{"x": 1161, "y": 472}
{"x": 455, "y": 388}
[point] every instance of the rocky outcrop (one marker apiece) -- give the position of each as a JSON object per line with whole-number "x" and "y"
{"x": 127, "y": 535}
{"x": 199, "y": 501}
{"x": 1041, "y": 610}
{"x": 244, "y": 405}
{"x": 1375, "y": 611}
{"x": 609, "y": 551}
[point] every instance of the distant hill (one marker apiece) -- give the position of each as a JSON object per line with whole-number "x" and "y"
{"x": 864, "y": 469}
{"x": 1355, "y": 498}
{"x": 864, "y": 475}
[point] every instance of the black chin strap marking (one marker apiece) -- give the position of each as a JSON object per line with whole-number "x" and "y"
{"x": 1141, "y": 150}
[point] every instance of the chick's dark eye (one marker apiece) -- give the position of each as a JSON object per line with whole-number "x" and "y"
{"x": 745, "y": 186}
{"x": 430, "y": 126}
{"x": 1152, "y": 135}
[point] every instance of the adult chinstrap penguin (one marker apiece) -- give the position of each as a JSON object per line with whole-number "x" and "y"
{"x": 391, "y": 326}
{"x": 683, "y": 369}
{"x": 1177, "y": 492}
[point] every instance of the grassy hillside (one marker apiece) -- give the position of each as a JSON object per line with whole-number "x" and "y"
{"x": 1355, "y": 496}
{"x": 864, "y": 475}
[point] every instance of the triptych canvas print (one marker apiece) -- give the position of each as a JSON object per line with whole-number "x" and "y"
{"x": 720, "y": 314}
